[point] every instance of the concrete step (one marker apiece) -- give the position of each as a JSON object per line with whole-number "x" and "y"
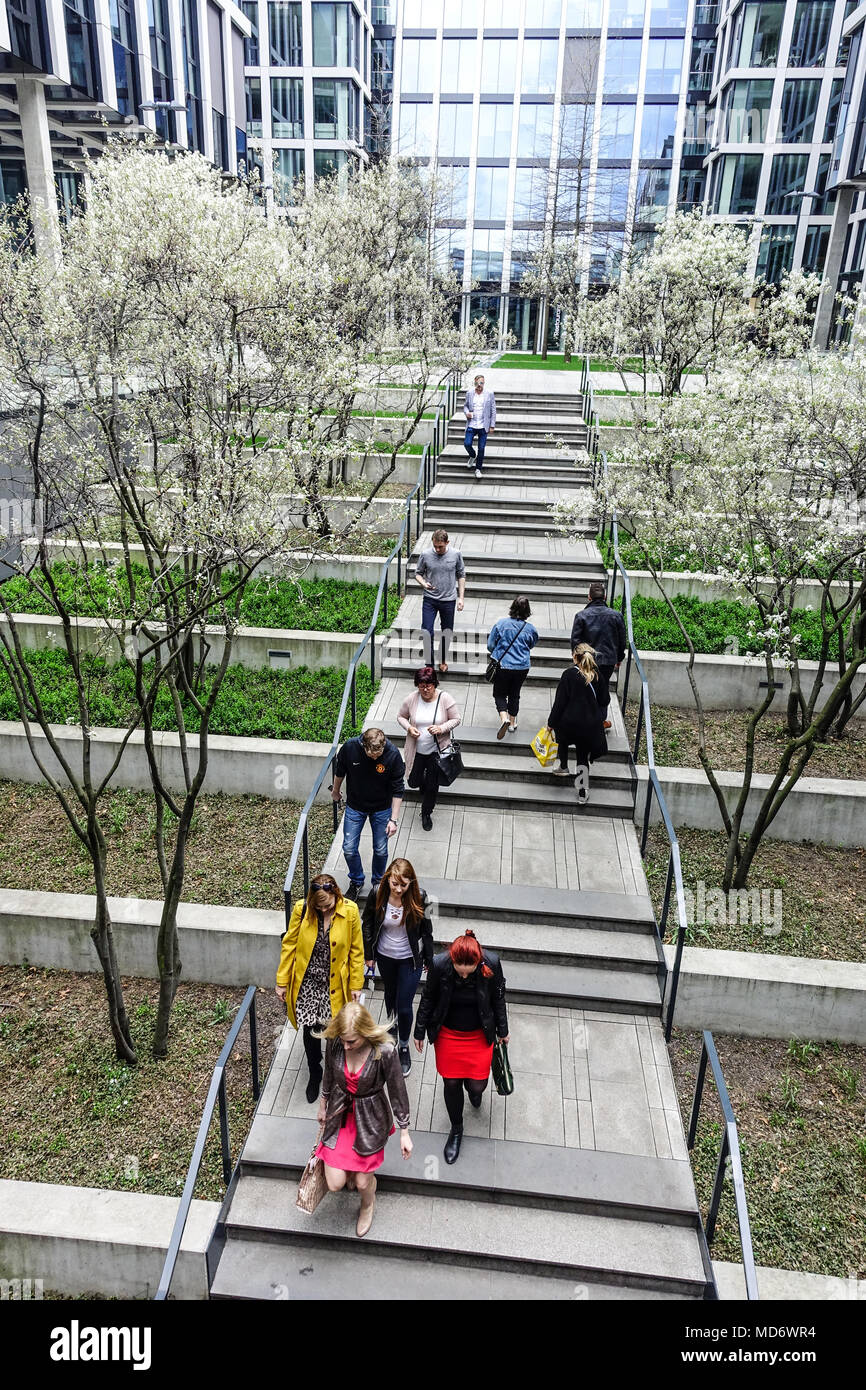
{"x": 473, "y": 654}
{"x": 306, "y": 1271}
{"x": 457, "y": 471}
{"x": 610, "y": 802}
{"x": 480, "y": 740}
{"x": 463, "y": 517}
{"x": 564, "y": 946}
{"x": 479, "y": 497}
{"x": 523, "y": 766}
{"x": 460, "y": 673}
{"x": 488, "y": 902}
{"x": 537, "y": 455}
{"x": 583, "y": 987}
{"x": 473, "y": 1232}
{"x": 554, "y": 575}
{"x": 592, "y": 1181}
{"x": 544, "y": 430}
{"x": 587, "y": 565}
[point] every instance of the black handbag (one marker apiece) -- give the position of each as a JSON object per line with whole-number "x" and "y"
{"x": 450, "y": 763}
{"x": 494, "y": 665}
{"x": 502, "y": 1078}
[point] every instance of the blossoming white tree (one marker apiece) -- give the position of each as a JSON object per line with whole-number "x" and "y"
{"x": 139, "y": 376}
{"x": 761, "y": 480}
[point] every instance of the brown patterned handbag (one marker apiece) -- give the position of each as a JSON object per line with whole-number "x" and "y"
{"x": 313, "y": 1184}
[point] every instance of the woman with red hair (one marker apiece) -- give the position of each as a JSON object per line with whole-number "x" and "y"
{"x": 462, "y": 1012}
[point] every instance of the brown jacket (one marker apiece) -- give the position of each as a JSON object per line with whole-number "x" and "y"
{"x": 448, "y": 719}
{"x": 373, "y": 1116}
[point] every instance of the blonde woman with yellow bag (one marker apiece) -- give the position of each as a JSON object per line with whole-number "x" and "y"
{"x": 577, "y": 720}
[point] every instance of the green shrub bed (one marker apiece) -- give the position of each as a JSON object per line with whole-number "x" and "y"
{"x": 321, "y": 605}
{"x": 711, "y": 626}
{"x": 298, "y": 704}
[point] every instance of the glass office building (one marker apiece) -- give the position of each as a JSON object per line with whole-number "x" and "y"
{"x": 307, "y": 90}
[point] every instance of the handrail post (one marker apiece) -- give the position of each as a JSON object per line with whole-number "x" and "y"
{"x": 224, "y": 1131}
{"x": 698, "y": 1096}
{"x": 716, "y": 1198}
{"x": 306, "y": 852}
{"x": 254, "y": 1049}
{"x": 373, "y": 656}
{"x": 354, "y": 699}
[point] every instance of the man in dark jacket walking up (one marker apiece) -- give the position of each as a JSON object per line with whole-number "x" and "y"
{"x": 604, "y": 630}
{"x": 372, "y": 769}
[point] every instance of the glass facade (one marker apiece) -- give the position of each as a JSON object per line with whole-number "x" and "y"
{"x": 285, "y": 35}
{"x": 124, "y": 54}
{"x": 287, "y": 108}
{"x": 336, "y": 36}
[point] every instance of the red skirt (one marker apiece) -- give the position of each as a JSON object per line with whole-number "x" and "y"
{"x": 463, "y": 1056}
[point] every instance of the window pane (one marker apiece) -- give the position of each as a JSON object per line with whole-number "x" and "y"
{"x": 668, "y": 14}
{"x": 498, "y": 65}
{"x": 455, "y": 128}
{"x": 815, "y": 249}
{"x": 657, "y": 131}
{"x": 334, "y": 110}
{"x": 746, "y": 118}
{"x": 288, "y": 169}
{"x": 799, "y": 104}
{"x": 499, "y": 14}
{"x": 616, "y": 131}
{"x": 253, "y": 91}
{"x": 575, "y": 134}
{"x": 334, "y": 36}
{"x": 422, "y": 14}
{"x": 664, "y": 61}
{"x": 539, "y": 65}
{"x": 491, "y": 190}
{"x": 626, "y": 14}
{"x": 327, "y": 163}
{"x": 462, "y": 14}
{"x": 454, "y": 182}
{"x": 287, "y": 108}
{"x": 653, "y": 193}
{"x": 545, "y": 14}
{"x": 775, "y": 253}
{"x": 611, "y": 195}
{"x": 787, "y": 177}
{"x": 494, "y": 130}
{"x": 583, "y": 14}
{"x": 534, "y": 131}
{"x": 622, "y": 64}
{"x": 416, "y": 128}
{"x": 756, "y": 35}
{"x": 284, "y": 31}
{"x": 811, "y": 33}
{"x": 417, "y": 72}
{"x": 833, "y": 110}
{"x": 458, "y": 65}
{"x": 530, "y": 194}
{"x": 737, "y": 189}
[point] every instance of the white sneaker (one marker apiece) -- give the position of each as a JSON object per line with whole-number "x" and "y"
{"x": 478, "y": 472}
{"x": 581, "y": 782}
{"x": 513, "y": 727}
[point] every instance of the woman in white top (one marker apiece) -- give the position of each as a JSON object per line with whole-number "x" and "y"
{"x": 426, "y": 716}
{"x": 398, "y": 935}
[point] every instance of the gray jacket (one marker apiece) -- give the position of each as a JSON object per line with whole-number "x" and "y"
{"x": 489, "y": 416}
{"x": 373, "y": 1116}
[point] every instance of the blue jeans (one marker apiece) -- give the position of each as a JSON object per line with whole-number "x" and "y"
{"x": 468, "y": 441}
{"x": 446, "y": 608}
{"x": 400, "y": 979}
{"x": 353, "y": 824}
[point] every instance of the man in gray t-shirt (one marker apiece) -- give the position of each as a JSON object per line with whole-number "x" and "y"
{"x": 442, "y": 575}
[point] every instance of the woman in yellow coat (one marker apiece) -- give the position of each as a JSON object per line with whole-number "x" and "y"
{"x": 321, "y": 966}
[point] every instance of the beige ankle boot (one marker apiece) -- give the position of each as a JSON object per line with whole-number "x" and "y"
{"x": 365, "y": 1215}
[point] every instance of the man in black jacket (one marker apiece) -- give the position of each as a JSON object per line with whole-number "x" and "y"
{"x": 373, "y": 771}
{"x": 604, "y": 630}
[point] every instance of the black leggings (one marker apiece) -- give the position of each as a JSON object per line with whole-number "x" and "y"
{"x": 313, "y": 1046}
{"x": 506, "y": 691}
{"x": 454, "y": 1098}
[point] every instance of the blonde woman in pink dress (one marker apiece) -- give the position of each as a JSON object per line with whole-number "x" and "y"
{"x": 361, "y": 1064}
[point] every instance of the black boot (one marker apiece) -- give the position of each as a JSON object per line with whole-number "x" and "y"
{"x": 314, "y": 1083}
{"x": 452, "y": 1144}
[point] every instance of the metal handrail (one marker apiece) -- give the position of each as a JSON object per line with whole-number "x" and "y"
{"x": 729, "y": 1149}
{"x": 418, "y": 495}
{"x": 216, "y": 1093}
{"x": 644, "y": 722}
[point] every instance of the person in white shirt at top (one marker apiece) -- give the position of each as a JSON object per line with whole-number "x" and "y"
{"x": 480, "y": 412}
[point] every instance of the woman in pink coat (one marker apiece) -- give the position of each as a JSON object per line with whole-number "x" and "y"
{"x": 426, "y": 716}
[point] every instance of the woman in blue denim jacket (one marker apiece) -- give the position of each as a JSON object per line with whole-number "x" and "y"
{"x": 510, "y": 642}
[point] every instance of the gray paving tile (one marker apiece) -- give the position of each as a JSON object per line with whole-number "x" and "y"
{"x": 582, "y": 1088}
{"x": 621, "y": 1118}
{"x": 534, "y": 1046}
{"x": 572, "y": 1124}
{"x": 424, "y": 1109}
{"x": 676, "y": 1134}
{"x": 613, "y": 1052}
{"x": 660, "y": 1133}
{"x": 482, "y": 827}
{"x": 475, "y": 1122}
{"x": 534, "y": 1114}
{"x": 587, "y": 1131}
{"x": 531, "y": 867}
{"x": 669, "y": 1097}
{"x": 498, "y": 1110}
{"x": 483, "y": 869}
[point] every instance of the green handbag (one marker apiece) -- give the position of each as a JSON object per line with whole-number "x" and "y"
{"x": 502, "y": 1078}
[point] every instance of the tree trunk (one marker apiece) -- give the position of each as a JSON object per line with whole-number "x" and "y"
{"x": 167, "y": 944}
{"x": 103, "y": 940}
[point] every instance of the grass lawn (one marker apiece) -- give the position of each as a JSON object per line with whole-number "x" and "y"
{"x": 800, "y": 1115}
{"x": 38, "y": 849}
{"x": 675, "y": 740}
{"x": 70, "y": 1112}
{"x": 822, "y": 888}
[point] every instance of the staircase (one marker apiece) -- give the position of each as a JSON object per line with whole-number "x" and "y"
{"x": 578, "y": 1185}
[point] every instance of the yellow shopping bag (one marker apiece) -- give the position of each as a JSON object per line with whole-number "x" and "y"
{"x": 544, "y": 747}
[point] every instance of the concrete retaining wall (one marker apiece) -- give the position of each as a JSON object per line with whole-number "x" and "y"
{"x": 708, "y": 588}
{"x": 364, "y": 569}
{"x": 765, "y": 996}
{"x": 279, "y": 768}
{"x": 81, "y": 1240}
{"x": 724, "y": 682}
{"x": 383, "y": 516}
{"x": 820, "y": 810}
{"x": 251, "y": 647}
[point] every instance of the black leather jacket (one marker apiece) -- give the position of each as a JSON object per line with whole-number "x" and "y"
{"x": 436, "y": 999}
{"x": 603, "y": 628}
{"x": 420, "y": 936}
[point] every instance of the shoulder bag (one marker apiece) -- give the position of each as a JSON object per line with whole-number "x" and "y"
{"x": 494, "y": 665}
{"x": 449, "y": 761}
